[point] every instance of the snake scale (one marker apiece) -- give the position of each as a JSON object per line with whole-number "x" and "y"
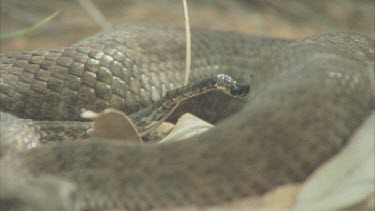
{"x": 307, "y": 98}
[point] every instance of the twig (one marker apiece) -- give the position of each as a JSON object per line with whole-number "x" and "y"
{"x": 187, "y": 60}
{"x": 95, "y": 13}
{"x": 188, "y": 44}
{"x": 188, "y": 53}
{"x": 29, "y": 29}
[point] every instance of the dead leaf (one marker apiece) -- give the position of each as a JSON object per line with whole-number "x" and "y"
{"x": 112, "y": 124}
{"x": 159, "y": 133}
{"x": 187, "y": 126}
{"x": 347, "y": 179}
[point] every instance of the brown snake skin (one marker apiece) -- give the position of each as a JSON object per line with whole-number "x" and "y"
{"x": 307, "y": 98}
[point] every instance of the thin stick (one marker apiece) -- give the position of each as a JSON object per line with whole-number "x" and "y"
{"x": 30, "y": 29}
{"x": 95, "y": 13}
{"x": 187, "y": 63}
{"x": 188, "y": 52}
{"x": 188, "y": 44}
{"x": 188, "y": 56}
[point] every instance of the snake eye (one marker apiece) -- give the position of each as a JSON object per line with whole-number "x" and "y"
{"x": 239, "y": 90}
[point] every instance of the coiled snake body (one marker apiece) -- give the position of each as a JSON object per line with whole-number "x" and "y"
{"x": 308, "y": 96}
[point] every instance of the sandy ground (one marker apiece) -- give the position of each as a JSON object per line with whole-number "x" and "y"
{"x": 288, "y": 19}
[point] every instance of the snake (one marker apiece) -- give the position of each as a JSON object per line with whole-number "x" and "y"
{"x": 307, "y": 98}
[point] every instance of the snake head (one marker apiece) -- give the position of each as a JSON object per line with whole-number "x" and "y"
{"x": 239, "y": 90}
{"x": 231, "y": 87}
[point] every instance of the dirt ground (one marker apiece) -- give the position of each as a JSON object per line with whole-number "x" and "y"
{"x": 288, "y": 19}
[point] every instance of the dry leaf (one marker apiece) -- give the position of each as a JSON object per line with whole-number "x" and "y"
{"x": 112, "y": 124}
{"x": 187, "y": 126}
{"x": 347, "y": 179}
{"x": 159, "y": 133}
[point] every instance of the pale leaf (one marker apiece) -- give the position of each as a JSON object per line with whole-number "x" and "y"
{"x": 187, "y": 126}
{"x": 347, "y": 179}
{"x": 113, "y": 124}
